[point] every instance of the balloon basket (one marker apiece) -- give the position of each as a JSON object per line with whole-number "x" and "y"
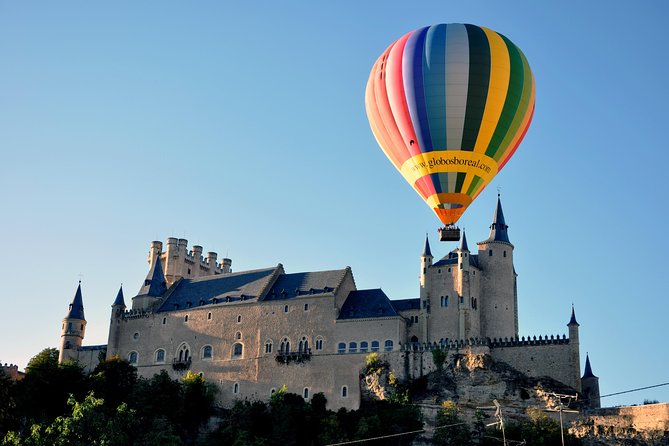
{"x": 449, "y": 234}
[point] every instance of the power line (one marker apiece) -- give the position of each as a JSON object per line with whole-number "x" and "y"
{"x": 635, "y": 390}
{"x": 393, "y": 435}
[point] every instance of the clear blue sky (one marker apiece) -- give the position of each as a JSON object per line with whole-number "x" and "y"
{"x": 241, "y": 127}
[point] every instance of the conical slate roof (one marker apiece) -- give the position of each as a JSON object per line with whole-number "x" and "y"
{"x": 463, "y": 242}
{"x": 588, "y": 370}
{"x": 119, "y": 298}
{"x": 572, "y": 321}
{"x": 498, "y": 228}
{"x": 426, "y": 251}
{"x": 76, "y": 310}
{"x": 155, "y": 284}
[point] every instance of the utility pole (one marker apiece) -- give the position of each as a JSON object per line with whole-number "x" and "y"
{"x": 561, "y": 408}
{"x": 498, "y": 415}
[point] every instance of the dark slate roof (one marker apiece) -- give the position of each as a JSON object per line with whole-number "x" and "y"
{"x": 155, "y": 284}
{"x": 426, "y": 250}
{"x": 474, "y": 260}
{"x": 119, "y": 298}
{"x": 406, "y": 304}
{"x": 588, "y": 370}
{"x": 498, "y": 228}
{"x": 76, "y": 310}
{"x": 463, "y": 242}
{"x": 288, "y": 286}
{"x": 448, "y": 260}
{"x": 233, "y": 287}
{"x": 366, "y": 304}
{"x": 572, "y": 321}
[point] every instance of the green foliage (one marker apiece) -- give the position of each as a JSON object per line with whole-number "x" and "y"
{"x": 439, "y": 357}
{"x": 113, "y": 380}
{"x": 8, "y": 418}
{"x": 451, "y": 430}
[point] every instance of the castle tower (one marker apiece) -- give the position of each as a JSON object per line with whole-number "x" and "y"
{"x": 590, "y": 386}
{"x": 118, "y": 308}
{"x": 154, "y": 287}
{"x": 425, "y": 264}
{"x": 73, "y": 329}
{"x": 575, "y": 358}
{"x": 498, "y": 305}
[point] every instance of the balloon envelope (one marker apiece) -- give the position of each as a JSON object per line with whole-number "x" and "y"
{"x": 449, "y": 104}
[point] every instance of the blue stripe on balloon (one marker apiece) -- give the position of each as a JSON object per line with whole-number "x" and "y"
{"x": 412, "y": 74}
{"x": 434, "y": 75}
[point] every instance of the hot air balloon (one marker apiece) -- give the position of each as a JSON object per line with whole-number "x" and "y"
{"x": 449, "y": 104}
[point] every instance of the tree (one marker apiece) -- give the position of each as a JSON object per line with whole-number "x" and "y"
{"x": 113, "y": 380}
{"x": 7, "y": 405}
{"x": 451, "y": 430}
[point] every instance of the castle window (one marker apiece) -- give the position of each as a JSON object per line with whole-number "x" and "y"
{"x": 462, "y": 299}
{"x": 449, "y": 270}
{"x": 303, "y": 346}
{"x": 490, "y": 253}
{"x": 306, "y": 307}
{"x": 305, "y": 393}
{"x": 235, "y": 388}
{"x": 132, "y": 358}
{"x": 239, "y": 318}
{"x": 68, "y": 344}
{"x": 424, "y": 270}
{"x": 341, "y": 347}
{"x": 183, "y": 354}
{"x": 375, "y": 346}
{"x": 352, "y": 347}
{"x": 504, "y": 253}
{"x": 135, "y": 336}
{"x": 160, "y": 356}
{"x": 238, "y": 335}
{"x": 189, "y": 271}
{"x": 285, "y": 308}
{"x": 461, "y": 266}
{"x": 388, "y": 346}
{"x": 186, "y": 318}
{"x": 164, "y": 320}
{"x": 319, "y": 343}
{"x": 364, "y": 346}
{"x": 285, "y": 346}
{"x": 69, "y": 325}
{"x": 237, "y": 351}
{"x": 272, "y": 391}
{"x": 268, "y": 346}
{"x": 344, "y": 392}
{"x": 439, "y": 271}
{"x": 208, "y": 316}
{"x": 82, "y": 327}
{"x": 207, "y": 352}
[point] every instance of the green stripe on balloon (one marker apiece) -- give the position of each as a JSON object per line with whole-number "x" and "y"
{"x": 479, "y": 79}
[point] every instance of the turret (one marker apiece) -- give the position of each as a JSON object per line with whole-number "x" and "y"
{"x": 499, "y": 301}
{"x": 575, "y": 349}
{"x": 425, "y": 262}
{"x": 590, "y": 386}
{"x": 153, "y": 289}
{"x": 118, "y": 308}
{"x": 73, "y": 329}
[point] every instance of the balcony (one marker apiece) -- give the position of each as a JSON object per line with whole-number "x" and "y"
{"x": 181, "y": 365}
{"x": 296, "y": 357}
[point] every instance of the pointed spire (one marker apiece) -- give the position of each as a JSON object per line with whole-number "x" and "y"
{"x": 76, "y": 310}
{"x": 119, "y": 302}
{"x": 572, "y": 321}
{"x": 155, "y": 284}
{"x": 588, "y": 370}
{"x": 463, "y": 241}
{"x": 498, "y": 228}
{"x": 426, "y": 251}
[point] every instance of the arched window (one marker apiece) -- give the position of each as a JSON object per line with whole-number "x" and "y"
{"x": 183, "y": 353}
{"x": 352, "y": 347}
{"x": 375, "y": 346}
{"x": 272, "y": 391}
{"x": 208, "y": 316}
{"x": 341, "y": 347}
{"x": 237, "y": 350}
{"x": 285, "y": 308}
{"x": 344, "y": 391}
{"x": 268, "y": 346}
{"x": 159, "y": 357}
{"x": 164, "y": 320}
{"x": 132, "y": 358}
{"x": 207, "y": 352}
{"x": 239, "y": 318}
{"x": 305, "y": 393}
{"x": 235, "y": 388}
{"x": 388, "y": 346}
{"x": 364, "y": 346}
{"x": 186, "y": 318}
{"x": 285, "y": 346}
{"x": 319, "y": 343}
{"x": 238, "y": 335}
{"x": 303, "y": 346}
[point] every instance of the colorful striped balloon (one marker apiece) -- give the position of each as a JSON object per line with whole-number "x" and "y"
{"x": 449, "y": 104}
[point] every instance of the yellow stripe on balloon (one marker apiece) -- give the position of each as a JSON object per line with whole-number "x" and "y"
{"x": 471, "y": 163}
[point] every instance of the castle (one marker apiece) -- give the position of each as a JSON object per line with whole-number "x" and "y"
{"x": 254, "y": 331}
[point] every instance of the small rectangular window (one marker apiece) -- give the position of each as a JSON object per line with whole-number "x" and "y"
{"x": 306, "y": 307}
{"x": 285, "y": 308}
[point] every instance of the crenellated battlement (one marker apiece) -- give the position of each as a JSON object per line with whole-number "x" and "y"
{"x": 180, "y": 262}
{"x": 12, "y": 371}
{"x": 448, "y": 344}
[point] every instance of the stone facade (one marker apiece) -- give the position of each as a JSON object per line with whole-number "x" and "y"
{"x": 254, "y": 331}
